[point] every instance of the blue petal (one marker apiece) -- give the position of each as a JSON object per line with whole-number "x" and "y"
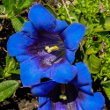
{"x": 42, "y": 89}
{"x": 45, "y": 103}
{"x": 86, "y": 89}
{"x": 22, "y": 58}
{"x": 30, "y": 73}
{"x": 78, "y": 107}
{"x": 73, "y": 35}
{"x": 59, "y": 106}
{"x": 83, "y": 76}
{"x": 61, "y": 73}
{"x": 60, "y": 26}
{"x": 70, "y": 55}
{"x": 95, "y": 102}
{"x": 29, "y": 30}
{"x": 42, "y": 18}
{"x": 18, "y": 43}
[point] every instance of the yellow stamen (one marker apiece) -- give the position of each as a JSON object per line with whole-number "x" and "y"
{"x": 51, "y": 49}
{"x": 46, "y": 47}
{"x": 63, "y": 97}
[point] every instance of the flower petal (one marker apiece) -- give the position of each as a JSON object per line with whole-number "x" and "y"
{"x": 60, "y": 26}
{"x": 29, "y": 30}
{"x": 30, "y": 73}
{"x": 70, "y": 55}
{"x": 95, "y": 102}
{"x": 78, "y": 107}
{"x": 61, "y": 73}
{"x": 73, "y": 35}
{"x": 22, "y": 58}
{"x": 42, "y": 18}
{"x": 86, "y": 89}
{"x": 45, "y": 103}
{"x": 58, "y": 106}
{"x": 42, "y": 89}
{"x": 83, "y": 76}
{"x": 18, "y": 43}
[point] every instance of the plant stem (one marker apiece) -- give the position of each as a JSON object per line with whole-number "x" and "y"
{"x": 3, "y": 16}
{"x": 67, "y": 11}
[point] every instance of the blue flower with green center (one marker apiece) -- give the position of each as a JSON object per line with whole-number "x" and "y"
{"x": 46, "y": 47}
{"x": 74, "y": 95}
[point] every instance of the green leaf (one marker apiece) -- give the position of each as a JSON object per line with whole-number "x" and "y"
{"x": 9, "y": 7}
{"x": 17, "y": 71}
{"x": 8, "y": 3}
{"x": 20, "y": 3}
{"x": 107, "y": 23}
{"x": 104, "y": 27}
{"x": 7, "y": 59}
{"x": 94, "y": 64}
{"x": 11, "y": 66}
{"x": 7, "y": 88}
{"x": 18, "y": 23}
{"x": 2, "y": 9}
{"x": 16, "y": 11}
{"x": 90, "y": 51}
{"x": 23, "y": 4}
{"x": 106, "y": 87}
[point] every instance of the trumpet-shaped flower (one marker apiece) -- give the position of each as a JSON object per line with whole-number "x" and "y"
{"x": 46, "y": 47}
{"x": 74, "y": 95}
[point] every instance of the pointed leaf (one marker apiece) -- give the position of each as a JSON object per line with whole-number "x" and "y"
{"x": 18, "y": 23}
{"x": 2, "y": 9}
{"x": 7, "y": 88}
{"x": 12, "y": 66}
{"x": 94, "y": 64}
{"x": 90, "y": 51}
{"x": 106, "y": 87}
{"x": 25, "y": 4}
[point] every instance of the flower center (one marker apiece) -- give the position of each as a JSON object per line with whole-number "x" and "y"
{"x": 63, "y": 96}
{"x": 51, "y": 49}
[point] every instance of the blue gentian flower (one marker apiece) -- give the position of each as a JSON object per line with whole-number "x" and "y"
{"x": 46, "y": 47}
{"x": 74, "y": 95}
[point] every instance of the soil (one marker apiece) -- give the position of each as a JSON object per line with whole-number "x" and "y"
{"x": 6, "y": 30}
{"x": 21, "y": 100}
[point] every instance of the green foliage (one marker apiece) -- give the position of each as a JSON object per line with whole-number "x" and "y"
{"x": 18, "y": 23}
{"x": 7, "y": 88}
{"x": 23, "y": 4}
{"x": 15, "y": 7}
{"x": 12, "y": 67}
{"x": 93, "y": 13}
{"x": 94, "y": 64}
{"x": 98, "y": 44}
{"x": 106, "y": 87}
{"x": 13, "y": 10}
{"x": 2, "y": 9}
